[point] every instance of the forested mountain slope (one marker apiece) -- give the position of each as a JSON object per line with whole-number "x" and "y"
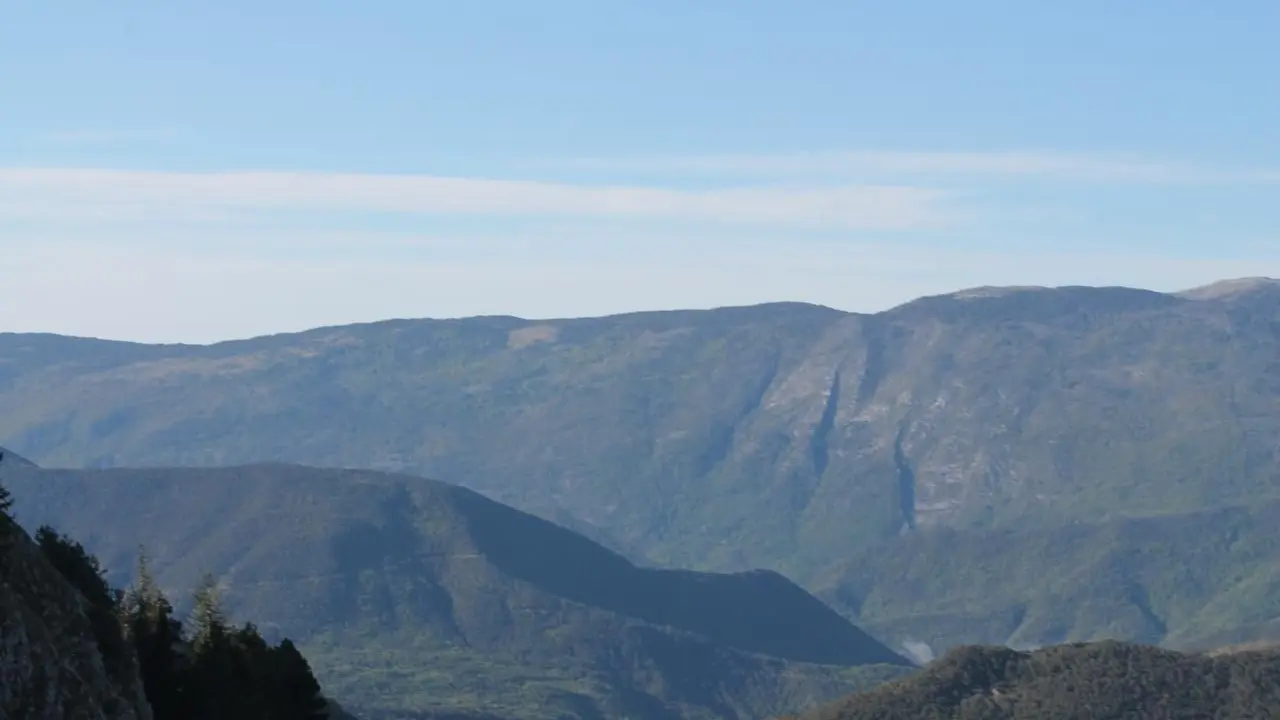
{"x": 904, "y": 465}
{"x": 73, "y": 647}
{"x": 1190, "y": 580}
{"x": 779, "y": 435}
{"x": 410, "y": 594}
{"x": 1103, "y": 681}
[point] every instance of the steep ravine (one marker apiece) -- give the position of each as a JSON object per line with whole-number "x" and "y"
{"x": 906, "y": 484}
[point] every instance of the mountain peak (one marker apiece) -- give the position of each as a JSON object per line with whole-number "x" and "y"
{"x": 987, "y": 291}
{"x": 1032, "y": 302}
{"x": 1224, "y": 289}
{"x": 8, "y": 458}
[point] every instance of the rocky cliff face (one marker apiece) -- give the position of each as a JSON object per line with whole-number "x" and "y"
{"x": 50, "y": 664}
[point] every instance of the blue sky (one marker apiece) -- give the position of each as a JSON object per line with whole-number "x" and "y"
{"x": 182, "y": 171}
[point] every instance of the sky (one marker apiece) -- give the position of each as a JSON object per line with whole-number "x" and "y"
{"x": 175, "y": 171}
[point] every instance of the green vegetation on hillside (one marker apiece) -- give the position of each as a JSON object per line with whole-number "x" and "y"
{"x": 1025, "y": 465}
{"x": 781, "y": 436}
{"x": 1190, "y": 580}
{"x": 216, "y": 672}
{"x": 1103, "y": 681}
{"x": 410, "y": 595}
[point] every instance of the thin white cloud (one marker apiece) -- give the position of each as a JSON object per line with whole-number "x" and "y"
{"x": 1001, "y": 163}
{"x": 55, "y": 193}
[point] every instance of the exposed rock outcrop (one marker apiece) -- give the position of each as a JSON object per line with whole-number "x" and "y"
{"x": 50, "y": 665}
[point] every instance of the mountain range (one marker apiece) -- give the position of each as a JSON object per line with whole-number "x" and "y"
{"x": 998, "y": 465}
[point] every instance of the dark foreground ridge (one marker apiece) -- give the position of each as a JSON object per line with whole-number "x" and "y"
{"x": 1097, "y": 681}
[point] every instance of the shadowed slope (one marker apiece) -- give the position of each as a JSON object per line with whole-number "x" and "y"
{"x": 439, "y": 578}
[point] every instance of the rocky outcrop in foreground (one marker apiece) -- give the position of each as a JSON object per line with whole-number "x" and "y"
{"x": 51, "y": 667}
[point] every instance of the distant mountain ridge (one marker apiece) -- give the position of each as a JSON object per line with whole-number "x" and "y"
{"x": 784, "y": 436}
{"x": 1232, "y": 288}
{"x": 413, "y": 587}
{"x": 9, "y": 458}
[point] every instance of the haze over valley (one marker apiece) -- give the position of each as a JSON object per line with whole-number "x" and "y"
{"x": 414, "y": 360}
{"x": 1022, "y": 466}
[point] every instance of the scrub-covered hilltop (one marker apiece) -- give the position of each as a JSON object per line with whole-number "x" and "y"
{"x": 1103, "y": 681}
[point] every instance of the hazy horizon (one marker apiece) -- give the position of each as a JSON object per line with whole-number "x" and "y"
{"x": 238, "y": 169}
{"x": 557, "y": 318}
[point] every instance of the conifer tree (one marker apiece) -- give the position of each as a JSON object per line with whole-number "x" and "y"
{"x": 85, "y": 574}
{"x": 216, "y": 673}
{"x": 145, "y": 595}
{"x": 216, "y": 661}
{"x": 207, "y": 617}
{"x": 148, "y": 621}
{"x": 6, "y": 500}
{"x": 298, "y": 694}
